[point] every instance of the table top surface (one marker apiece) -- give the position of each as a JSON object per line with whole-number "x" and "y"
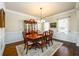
{"x": 33, "y": 36}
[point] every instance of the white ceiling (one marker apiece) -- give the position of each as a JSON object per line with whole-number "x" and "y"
{"x": 33, "y": 8}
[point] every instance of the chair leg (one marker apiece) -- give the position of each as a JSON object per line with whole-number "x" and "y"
{"x": 51, "y": 41}
{"x": 27, "y": 49}
{"x": 42, "y": 48}
{"x": 24, "y": 46}
{"x": 46, "y": 44}
{"x": 42, "y": 45}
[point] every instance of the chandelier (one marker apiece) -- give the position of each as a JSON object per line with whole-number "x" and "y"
{"x": 41, "y": 16}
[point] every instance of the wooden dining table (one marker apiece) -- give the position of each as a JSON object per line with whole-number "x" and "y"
{"x": 34, "y": 38}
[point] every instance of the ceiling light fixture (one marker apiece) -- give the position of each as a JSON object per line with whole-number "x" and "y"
{"x": 41, "y": 13}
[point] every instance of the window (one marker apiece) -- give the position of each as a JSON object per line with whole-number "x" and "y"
{"x": 46, "y": 26}
{"x": 43, "y": 25}
{"x": 63, "y": 25}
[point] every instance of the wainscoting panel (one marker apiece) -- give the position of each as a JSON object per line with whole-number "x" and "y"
{"x": 12, "y": 37}
{"x": 77, "y": 42}
{"x": 70, "y": 37}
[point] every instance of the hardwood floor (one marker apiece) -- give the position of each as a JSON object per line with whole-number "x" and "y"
{"x": 77, "y": 51}
{"x": 67, "y": 49}
{"x": 10, "y": 49}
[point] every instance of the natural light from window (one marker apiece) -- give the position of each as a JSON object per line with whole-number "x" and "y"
{"x": 63, "y": 25}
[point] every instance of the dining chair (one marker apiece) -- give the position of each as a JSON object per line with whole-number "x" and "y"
{"x": 26, "y": 42}
{"x": 45, "y": 37}
{"x": 40, "y": 43}
{"x": 50, "y": 37}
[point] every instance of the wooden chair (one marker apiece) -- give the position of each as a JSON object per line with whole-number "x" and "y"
{"x": 45, "y": 36}
{"x": 26, "y": 42}
{"x": 50, "y": 37}
{"x": 40, "y": 43}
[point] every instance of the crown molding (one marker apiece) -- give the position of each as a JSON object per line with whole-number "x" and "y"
{"x": 15, "y": 12}
{"x": 64, "y": 12}
{"x": 19, "y": 13}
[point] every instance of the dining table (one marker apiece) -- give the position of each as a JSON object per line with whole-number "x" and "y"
{"x": 35, "y": 39}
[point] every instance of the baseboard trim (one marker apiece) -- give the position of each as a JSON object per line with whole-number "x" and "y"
{"x": 15, "y": 43}
{"x": 62, "y": 41}
{"x": 66, "y": 42}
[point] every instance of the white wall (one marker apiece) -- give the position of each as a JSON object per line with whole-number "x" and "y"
{"x": 71, "y": 14}
{"x": 15, "y": 26}
{"x": 71, "y": 36}
{"x": 2, "y": 5}
{"x": 2, "y": 33}
{"x": 77, "y": 15}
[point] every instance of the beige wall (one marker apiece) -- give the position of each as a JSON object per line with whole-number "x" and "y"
{"x": 72, "y": 21}
{"x": 77, "y": 13}
{"x": 78, "y": 20}
{"x": 2, "y": 5}
{"x": 14, "y": 21}
{"x": 14, "y": 26}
